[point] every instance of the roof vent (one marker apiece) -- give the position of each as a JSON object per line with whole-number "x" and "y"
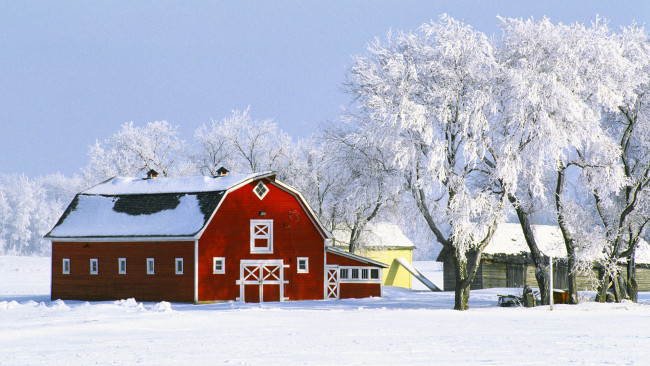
{"x": 222, "y": 172}
{"x": 152, "y": 174}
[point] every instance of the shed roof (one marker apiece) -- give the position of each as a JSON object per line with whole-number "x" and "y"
{"x": 355, "y": 257}
{"x": 509, "y": 239}
{"x": 136, "y": 207}
{"x": 377, "y": 236}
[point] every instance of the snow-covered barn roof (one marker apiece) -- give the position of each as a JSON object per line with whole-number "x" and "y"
{"x": 377, "y": 236}
{"x": 135, "y": 207}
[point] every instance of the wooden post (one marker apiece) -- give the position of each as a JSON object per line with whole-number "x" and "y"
{"x": 550, "y": 290}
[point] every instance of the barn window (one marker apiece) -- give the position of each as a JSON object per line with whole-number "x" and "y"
{"x": 355, "y": 273}
{"x": 94, "y": 267}
{"x": 343, "y": 274}
{"x": 150, "y": 266}
{"x": 218, "y": 265}
{"x": 261, "y": 236}
{"x": 303, "y": 265}
{"x": 179, "y": 265}
{"x": 260, "y": 190}
{"x": 374, "y": 274}
{"x": 121, "y": 265}
{"x": 364, "y": 274}
{"x": 66, "y": 266}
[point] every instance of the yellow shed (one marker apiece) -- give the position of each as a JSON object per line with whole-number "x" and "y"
{"x": 383, "y": 242}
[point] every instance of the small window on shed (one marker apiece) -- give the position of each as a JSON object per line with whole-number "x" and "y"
{"x": 374, "y": 274}
{"x": 94, "y": 266}
{"x": 179, "y": 265}
{"x": 355, "y": 273}
{"x": 66, "y": 266}
{"x": 121, "y": 265}
{"x": 364, "y": 274}
{"x": 303, "y": 265}
{"x": 150, "y": 266}
{"x": 218, "y": 265}
{"x": 343, "y": 273}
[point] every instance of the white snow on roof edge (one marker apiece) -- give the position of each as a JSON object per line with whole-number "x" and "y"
{"x": 129, "y": 185}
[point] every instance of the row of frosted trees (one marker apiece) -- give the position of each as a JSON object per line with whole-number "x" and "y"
{"x": 549, "y": 118}
{"x": 448, "y": 133}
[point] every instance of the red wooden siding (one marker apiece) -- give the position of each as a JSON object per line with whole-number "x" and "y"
{"x": 164, "y": 284}
{"x": 359, "y": 290}
{"x": 228, "y": 236}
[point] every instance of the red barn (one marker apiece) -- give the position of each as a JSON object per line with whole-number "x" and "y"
{"x": 201, "y": 239}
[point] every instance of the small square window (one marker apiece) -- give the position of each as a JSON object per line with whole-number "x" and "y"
{"x": 94, "y": 266}
{"x": 364, "y": 274}
{"x": 150, "y": 266}
{"x": 260, "y": 190}
{"x": 343, "y": 274}
{"x": 374, "y": 274}
{"x": 218, "y": 265}
{"x": 66, "y": 266}
{"x": 121, "y": 265}
{"x": 355, "y": 273}
{"x": 179, "y": 265}
{"x": 303, "y": 265}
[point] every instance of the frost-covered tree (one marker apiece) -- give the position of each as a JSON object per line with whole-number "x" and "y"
{"x": 427, "y": 101}
{"x": 244, "y": 145}
{"x": 362, "y": 182}
{"x": 553, "y": 85}
{"x": 134, "y": 150}
{"x": 29, "y": 208}
{"x": 623, "y": 216}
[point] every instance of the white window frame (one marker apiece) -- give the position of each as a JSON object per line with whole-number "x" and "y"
{"x": 151, "y": 266}
{"x": 362, "y": 271}
{"x": 65, "y": 266}
{"x": 266, "y": 190}
{"x": 176, "y": 262}
{"x": 96, "y": 263}
{"x": 255, "y": 224}
{"x": 119, "y": 265}
{"x": 216, "y": 260}
{"x": 306, "y": 269}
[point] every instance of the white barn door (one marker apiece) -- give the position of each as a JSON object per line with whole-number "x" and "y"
{"x": 261, "y": 280}
{"x": 332, "y": 282}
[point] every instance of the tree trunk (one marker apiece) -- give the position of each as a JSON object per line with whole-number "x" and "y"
{"x": 461, "y": 298}
{"x": 601, "y": 295}
{"x": 632, "y": 287}
{"x": 538, "y": 260}
{"x": 571, "y": 276}
{"x": 569, "y": 243}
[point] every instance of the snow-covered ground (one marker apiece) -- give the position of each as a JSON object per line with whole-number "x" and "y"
{"x": 402, "y": 328}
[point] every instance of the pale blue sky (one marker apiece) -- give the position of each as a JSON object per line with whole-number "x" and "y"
{"x": 72, "y": 72}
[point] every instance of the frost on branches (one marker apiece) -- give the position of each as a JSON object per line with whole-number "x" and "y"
{"x": 426, "y": 101}
{"x": 133, "y": 151}
{"x": 245, "y": 145}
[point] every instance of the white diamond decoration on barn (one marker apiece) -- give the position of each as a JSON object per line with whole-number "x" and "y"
{"x": 260, "y": 190}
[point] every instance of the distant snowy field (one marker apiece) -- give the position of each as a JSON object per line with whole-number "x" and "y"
{"x": 402, "y": 328}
